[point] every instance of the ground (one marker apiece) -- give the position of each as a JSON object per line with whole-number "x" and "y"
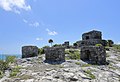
{"x": 35, "y": 70}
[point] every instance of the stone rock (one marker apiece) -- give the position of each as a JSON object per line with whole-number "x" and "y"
{"x": 29, "y": 51}
{"x": 55, "y": 54}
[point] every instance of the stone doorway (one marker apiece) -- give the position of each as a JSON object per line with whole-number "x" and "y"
{"x": 88, "y": 55}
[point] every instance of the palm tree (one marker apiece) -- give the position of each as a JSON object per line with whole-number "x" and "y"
{"x": 50, "y": 41}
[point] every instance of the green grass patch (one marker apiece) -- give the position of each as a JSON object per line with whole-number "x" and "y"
{"x": 90, "y": 74}
{"x": 72, "y": 54}
{"x": 86, "y": 65}
{"x": 77, "y": 63}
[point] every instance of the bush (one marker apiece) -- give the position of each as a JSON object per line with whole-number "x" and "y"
{"x": 15, "y": 71}
{"x": 117, "y": 47}
{"x": 1, "y": 74}
{"x": 10, "y": 59}
{"x": 3, "y": 65}
{"x": 41, "y": 51}
{"x": 90, "y": 74}
{"x": 98, "y": 45}
{"x": 72, "y": 54}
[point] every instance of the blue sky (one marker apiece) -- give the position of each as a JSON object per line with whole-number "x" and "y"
{"x": 33, "y": 22}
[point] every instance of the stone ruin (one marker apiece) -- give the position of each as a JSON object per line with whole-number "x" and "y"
{"x": 29, "y": 51}
{"x": 91, "y": 38}
{"x": 93, "y": 54}
{"x": 55, "y": 54}
{"x": 66, "y": 44}
{"x": 89, "y": 50}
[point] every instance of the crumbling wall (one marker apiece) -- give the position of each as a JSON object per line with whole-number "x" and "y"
{"x": 93, "y": 54}
{"x": 29, "y": 51}
{"x": 55, "y": 54}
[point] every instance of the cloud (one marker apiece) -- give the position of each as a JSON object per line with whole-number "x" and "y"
{"x": 51, "y": 32}
{"x": 25, "y": 21}
{"x": 14, "y": 5}
{"x": 34, "y": 24}
{"x": 39, "y": 39}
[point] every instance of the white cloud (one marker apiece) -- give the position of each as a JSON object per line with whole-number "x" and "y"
{"x": 39, "y": 39}
{"x": 25, "y": 21}
{"x": 14, "y": 5}
{"x": 34, "y": 24}
{"x": 51, "y": 32}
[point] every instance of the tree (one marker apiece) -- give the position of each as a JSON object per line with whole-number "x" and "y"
{"x": 110, "y": 43}
{"x": 75, "y": 44}
{"x": 50, "y": 41}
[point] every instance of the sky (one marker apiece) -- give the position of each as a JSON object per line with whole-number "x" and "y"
{"x": 34, "y": 22}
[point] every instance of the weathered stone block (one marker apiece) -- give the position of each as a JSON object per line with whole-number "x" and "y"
{"x": 29, "y": 51}
{"x": 93, "y": 54}
{"x": 54, "y": 54}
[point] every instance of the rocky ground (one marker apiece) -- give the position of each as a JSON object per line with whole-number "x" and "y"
{"x": 35, "y": 70}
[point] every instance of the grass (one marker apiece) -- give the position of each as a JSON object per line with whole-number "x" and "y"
{"x": 77, "y": 63}
{"x": 117, "y": 47}
{"x": 90, "y": 74}
{"x": 86, "y": 65}
{"x": 72, "y": 54}
{"x": 15, "y": 71}
{"x": 1, "y": 74}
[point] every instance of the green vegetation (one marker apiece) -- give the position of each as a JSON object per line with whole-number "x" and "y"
{"x": 10, "y": 59}
{"x": 98, "y": 45}
{"x": 1, "y": 74}
{"x": 57, "y": 45}
{"x": 110, "y": 43}
{"x": 72, "y": 54}
{"x": 15, "y": 71}
{"x": 77, "y": 63}
{"x": 41, "y": 51}
{"x": 117, "y": 47}
{"x": 90, "y": 74}
{"x": 50, "y": 41}
{"x": 86, "y": 65}
{"x": 3, "y": 65}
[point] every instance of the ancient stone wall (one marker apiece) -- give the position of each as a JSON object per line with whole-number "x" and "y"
{"x": 92, "y": 35}
{"x": 29, "y": 51}
{"x": 55, "y": 54}
{"x": 66, "y": 44}
{"x": 93, "y": 54}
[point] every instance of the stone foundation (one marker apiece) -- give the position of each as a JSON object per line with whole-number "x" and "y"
{"x": 93, "y": 54}
{"x": 55, "y": 54}
{"x": 29, "y": 51}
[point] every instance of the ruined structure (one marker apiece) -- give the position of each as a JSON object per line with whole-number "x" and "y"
{"x": 91, "y": 38}
{"x": 29, "y": 51}
{"x": 89, "y": 50}
{"x": 66, "y": 44}
{"x": 55, "y": 54}
{"x": 93, "y": 54}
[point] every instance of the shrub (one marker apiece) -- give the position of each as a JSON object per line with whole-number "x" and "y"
{"x": 41, "y": 51}
{"x": 3, "y": 65}
{"x": 1, "y": 74}
{"x": 90, "y": 74}
{"x": 15, "y": 71}
{"x": 10, "y": 59}
{"x": 98, "y": 45}
{"x": 77, "y": 63}
{"x": 73, "y": 54}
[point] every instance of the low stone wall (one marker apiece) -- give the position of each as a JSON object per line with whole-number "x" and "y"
{"x": 55, "y": 54}
{"x": 29, "y": 51}
{"x": 96, "y": 55}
